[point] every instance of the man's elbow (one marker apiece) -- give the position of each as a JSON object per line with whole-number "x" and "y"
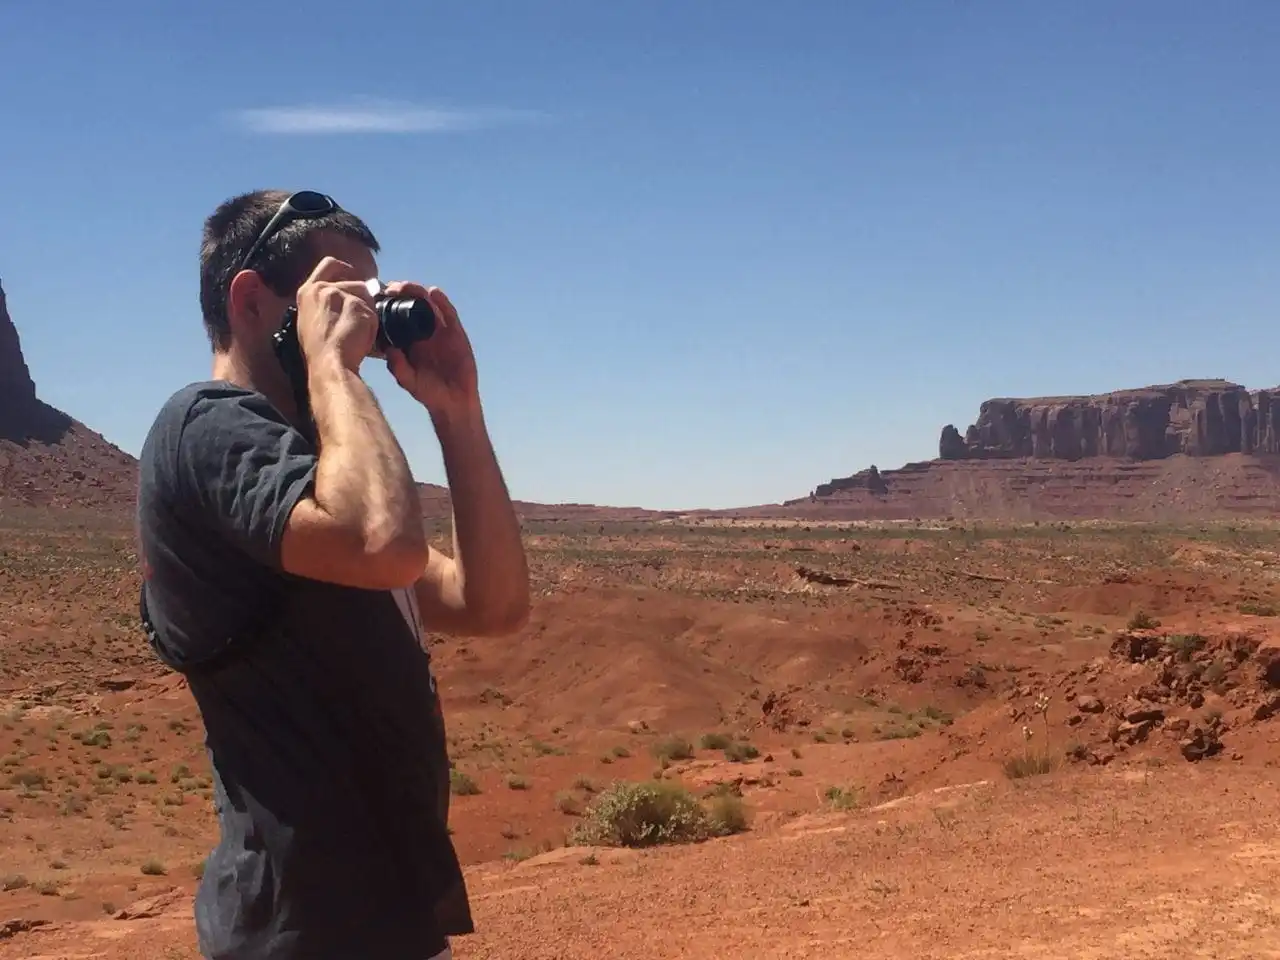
{"x": 500, "y": 620}
{"x": 398, "y": 561}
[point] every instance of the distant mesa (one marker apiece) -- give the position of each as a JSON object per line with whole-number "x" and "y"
{"x": 1199, "y": 418}
{"x": 1195, "y": 448}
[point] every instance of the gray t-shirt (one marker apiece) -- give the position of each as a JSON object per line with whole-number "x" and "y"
{"x": 331, "y": 774}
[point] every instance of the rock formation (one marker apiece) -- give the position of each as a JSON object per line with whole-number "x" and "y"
{"x": 47, "y": 457}
{"x": 16, "y": 386}
{"x": 1201, "y": 418}
{"x": 870, "y": 479}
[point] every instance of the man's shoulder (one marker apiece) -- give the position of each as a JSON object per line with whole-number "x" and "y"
{"x": 213, "y": 402}
{"x": 199, "y": 396}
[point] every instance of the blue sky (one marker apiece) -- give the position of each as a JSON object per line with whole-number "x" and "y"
{"x": 709, "y": 253}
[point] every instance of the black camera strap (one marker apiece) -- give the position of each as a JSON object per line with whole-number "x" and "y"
{"x": 289, "y": 352}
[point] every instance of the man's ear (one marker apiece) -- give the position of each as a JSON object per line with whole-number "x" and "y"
{"x": 245, "y": 300}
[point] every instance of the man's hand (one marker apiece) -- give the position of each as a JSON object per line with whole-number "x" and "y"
{"x": 439, "y": 372}
{"x": 336, "y": 315}
{"x": 484, "y": 587}
{"x": 362, "y": 524}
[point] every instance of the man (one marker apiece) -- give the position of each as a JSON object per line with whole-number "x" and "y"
{"x": 290, "y": 580}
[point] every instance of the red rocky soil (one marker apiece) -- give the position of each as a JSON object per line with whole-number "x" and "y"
{"x": 972, "y": 742}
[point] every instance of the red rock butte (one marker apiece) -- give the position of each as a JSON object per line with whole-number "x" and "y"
{"x": 47, "y": 458}
{"x": 1201, "y": 418}
{"x": 1203, "y": 448}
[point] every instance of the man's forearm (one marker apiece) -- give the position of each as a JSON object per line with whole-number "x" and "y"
{"x": 492, "y": 572}
{"x": 362, "y": 478}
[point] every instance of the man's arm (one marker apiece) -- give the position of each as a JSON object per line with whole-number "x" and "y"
{"x": 483, "y": 589}
{"x": 349, "y": 516}
{"x": 362, "y": 524}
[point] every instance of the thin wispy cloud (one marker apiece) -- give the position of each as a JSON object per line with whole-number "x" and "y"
{"x": 375, "y": 117}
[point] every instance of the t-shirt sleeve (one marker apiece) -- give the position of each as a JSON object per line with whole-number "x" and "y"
{"x": 245, "y": 467}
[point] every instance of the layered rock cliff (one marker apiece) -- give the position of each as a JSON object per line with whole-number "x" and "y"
{"x": 1201, "y": 418}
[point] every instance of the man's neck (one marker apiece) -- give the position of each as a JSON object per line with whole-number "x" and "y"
{"x": 260, "y": 374}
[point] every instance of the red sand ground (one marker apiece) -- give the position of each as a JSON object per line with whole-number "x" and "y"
{"x": 910, "y": 679}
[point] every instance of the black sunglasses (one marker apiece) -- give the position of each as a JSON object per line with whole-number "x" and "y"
{"x": 303, "y": 205}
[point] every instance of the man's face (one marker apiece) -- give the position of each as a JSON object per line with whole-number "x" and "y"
{"x": 256, "y": 311}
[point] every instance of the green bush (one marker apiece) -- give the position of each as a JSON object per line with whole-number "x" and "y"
{"x": 652, "y": 813}
{"x": 673, "y": 748}
{"x": 740, "y": 752}
{"x": 462, "y": 784}
{"x": 728, "y": 815}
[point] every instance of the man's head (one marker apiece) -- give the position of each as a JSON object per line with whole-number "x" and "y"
{"x": 246, "y": 306}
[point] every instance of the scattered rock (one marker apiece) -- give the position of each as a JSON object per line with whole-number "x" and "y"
{"x": 1137, "y": 647}
{"x": 1089, "y": 704}
{"x": 1144, "y": 714}
{"x": 116, "y": 684}
{"x": 11, "y": 928}
{"x": 1202, "y": 743}
{"x": 1267, "y": 709}
{"x": 824, "y": 578}
{"x": 909, "y": 669}
{"x": 1132, "y": 733}
{"x": 149, "y": 907}
{"x": 1268, "y": 657}
{"x": 1094, "y": 756}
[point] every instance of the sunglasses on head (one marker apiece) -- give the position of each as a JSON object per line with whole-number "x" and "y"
{"x": 303, "y": 205}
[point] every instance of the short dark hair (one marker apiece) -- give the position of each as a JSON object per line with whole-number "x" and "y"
{"x": 283, "y": 262}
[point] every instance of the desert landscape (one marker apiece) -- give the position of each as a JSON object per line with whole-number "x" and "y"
{"x": 1017, "y": 701}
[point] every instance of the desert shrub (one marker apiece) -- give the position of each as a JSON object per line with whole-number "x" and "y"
{"x": 740, "y": 752}
{"x": 727, "y": 815}
{"x": 842, "y": 798}
{"x": 673, "y": 748}
{"x": 461, "y": 784}
{"x": 938, "y": 715}
{"x": 1032, "y": 763}
{"x": 715, "y": 741}
{"x": 29, "y": 779}
{"x": 567, "y": 803}
{"x": 1143, "y": 621}
{"x": 1185, "y": 645}
{"x": 651, "y": 813}
{"x": 1254, "y": 608}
